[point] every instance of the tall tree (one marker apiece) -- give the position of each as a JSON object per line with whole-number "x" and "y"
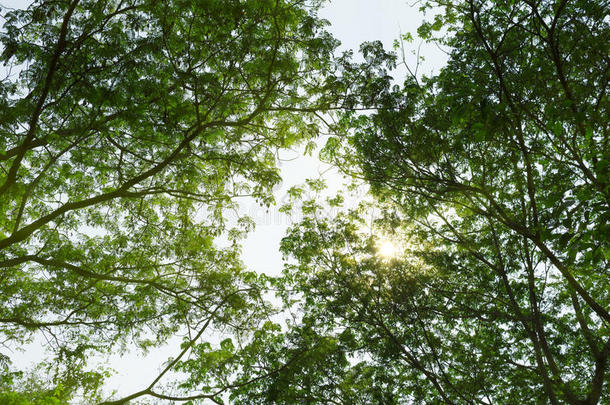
{"x": 127, "y": 129}
{"x": 496, "y": 172}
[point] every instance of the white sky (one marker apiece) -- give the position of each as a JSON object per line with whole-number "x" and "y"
{"x": 352, "y": 22}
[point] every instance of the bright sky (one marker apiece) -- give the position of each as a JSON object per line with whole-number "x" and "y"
{"x": 352, "y": 22}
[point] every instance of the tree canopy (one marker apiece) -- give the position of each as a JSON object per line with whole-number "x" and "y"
{"x": 127, "y": 129}
{"x": 492, "y": 178}
{"x": 131, "y": 127}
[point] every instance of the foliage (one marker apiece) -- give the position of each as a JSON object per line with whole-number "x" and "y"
{"x": 132, "y": 126}
{"x": 493, "y": 177}
{"x": 19, "y": 388}
{"x": 127, "y": 130}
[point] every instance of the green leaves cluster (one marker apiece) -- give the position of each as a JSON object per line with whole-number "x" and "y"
{"x": 127, "y": 130}
{"x": 495, "y": 172}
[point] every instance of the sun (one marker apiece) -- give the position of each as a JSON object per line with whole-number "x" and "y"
{"x": 386, "y": 249}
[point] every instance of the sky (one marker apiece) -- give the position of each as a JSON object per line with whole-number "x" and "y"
{"x": 352, "y": 22}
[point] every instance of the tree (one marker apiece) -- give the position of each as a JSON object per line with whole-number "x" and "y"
{"x": 493, "y": 177}
{"x": 127, "y": 129}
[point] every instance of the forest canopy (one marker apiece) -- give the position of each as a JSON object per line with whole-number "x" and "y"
{"x": 129, "y": 128}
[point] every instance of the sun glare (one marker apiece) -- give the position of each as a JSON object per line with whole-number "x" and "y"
{"x": 387, "y": 249}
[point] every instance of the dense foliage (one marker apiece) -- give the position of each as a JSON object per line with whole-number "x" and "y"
{"x": 130, "y": 127}
{"x": 127, "y": 129}
{"x": 493, "y": 179}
